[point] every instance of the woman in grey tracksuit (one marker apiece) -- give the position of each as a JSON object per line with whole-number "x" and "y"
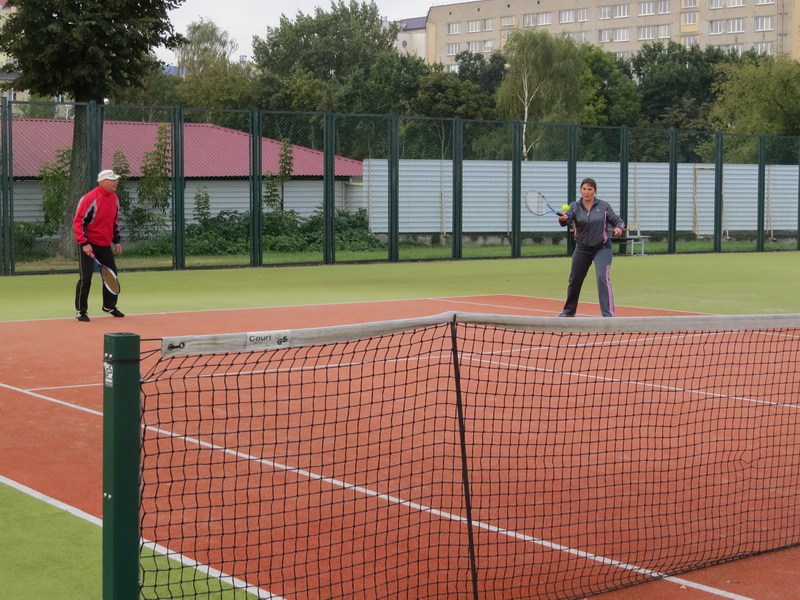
{"x": 592, "y": 220}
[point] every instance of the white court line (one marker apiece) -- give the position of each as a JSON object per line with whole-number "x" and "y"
{"x": 388, "y": 498}
{"x": 345, "y": 303}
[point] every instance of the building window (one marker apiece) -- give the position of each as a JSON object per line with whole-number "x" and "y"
{"x": 582, "y": 15}
{"x": 452, "y": 68}
{"x": 622, "y": 55}
{"x": 604, "y": 12}
{"x": 716, "y": 27}
{"x": 566, "y": 16}
{"x": 765, "y": 23}
{"x": 735, "y": 25}
{"x": 544, "y": 18}
{"x": 473, "y": 26}
{"x": 622, "y": 35}
{"x": 487, "y": 24}
{"x": 663, "y": 7}
{"x": 474, "y": 47}
{"x": 763, "y": 47}
{"x": 452, "y": 29}
{"x": 621, "y": 11}
{"x": 690, "y": 18}
{"x": 663, "y": 32}
{"x": 508, "y": 21}
{"x": 737, "y": 48}
{"x": 529, "y": 20}
{"x": 505, "y": 34}
{"x": 647, "y": 8}
{"x": 716, "y": 4}
{"x": 761, "y": 2}
{"x": 452, "y": 49}
{"x": 603, "y": 36}
{"x": 689, "y": 4}
{"x": 689, "y": 41}
{"x": 735, "y": 3}
{"x": 488, "y": 46}
{"x": 646, "y": 33}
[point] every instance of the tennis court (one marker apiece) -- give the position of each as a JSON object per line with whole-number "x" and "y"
{"x": 339, "y": 495}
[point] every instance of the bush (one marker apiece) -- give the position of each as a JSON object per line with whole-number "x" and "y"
{"x": 228, "y": 232}
{"x": 25, "y": 238}
{"x": 158, "y": 246}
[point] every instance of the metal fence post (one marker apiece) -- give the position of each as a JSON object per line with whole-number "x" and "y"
{"x": 329, "y": 191}
{"x": 458, "y": 186}
{"x": 6, "y": 213}
{"x": 121, "y": 459}
{"x": 623, "y": 172}
{"x": 394, "y": 188}
{"x": 178, "y": 190}
{"x": 718, "y": 193}
{"x": 256, "y": 191}
{"x": 516, "y": 189}
{"x": 762, "y": 178}
{"x": 672, "y": 210}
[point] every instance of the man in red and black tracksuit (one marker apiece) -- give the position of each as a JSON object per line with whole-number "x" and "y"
{"x": 96, "y": 227}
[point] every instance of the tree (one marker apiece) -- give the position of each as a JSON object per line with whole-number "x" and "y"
{"x": 486, "y": 74}
{"x": 760, "y": 96}
{"x": 83, "y": 50}
{"x": 613, "y": 97}
{"x": 543, "y": 83}
{"x": 206, "y": 45}
{"x": 386, "y": 87}
{"x": 153, "y": 188}
{"x": 444, "y": 95}
{"x": 55, "y": 186}
{"x": 306, "y": 63}
{"x": 327, "y": 45}
{"x": 669, "y": 75}
{"x": 220, "y": 84}
{"x": 156, "y": 89}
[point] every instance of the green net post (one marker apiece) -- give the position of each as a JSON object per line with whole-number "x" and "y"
{"x": 121, "y": 447}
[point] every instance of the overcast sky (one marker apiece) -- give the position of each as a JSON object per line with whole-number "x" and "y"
{"x": 243, "y": 19}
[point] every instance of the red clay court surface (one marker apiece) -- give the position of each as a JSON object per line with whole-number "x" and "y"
{"x": 51, "y": 405}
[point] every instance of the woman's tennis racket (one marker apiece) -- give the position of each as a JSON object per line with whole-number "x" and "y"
{"x": 108, "y": 276}
{"x": 537, "y": 204}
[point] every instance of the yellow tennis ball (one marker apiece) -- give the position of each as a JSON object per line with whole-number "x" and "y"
{"x": 565, "y": 207}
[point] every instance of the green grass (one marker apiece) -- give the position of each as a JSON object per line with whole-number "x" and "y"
{"x": 47, "y": 553}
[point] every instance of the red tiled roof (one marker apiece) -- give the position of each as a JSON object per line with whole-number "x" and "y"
{"x": 209, "y": 150}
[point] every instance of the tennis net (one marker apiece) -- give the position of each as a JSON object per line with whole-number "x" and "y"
{"x": 466, "y": 456}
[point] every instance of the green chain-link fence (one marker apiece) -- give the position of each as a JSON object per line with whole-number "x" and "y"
{"x": 218, "y": 188}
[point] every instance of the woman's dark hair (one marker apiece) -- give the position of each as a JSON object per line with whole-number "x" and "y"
{"x": 589, "y": 181}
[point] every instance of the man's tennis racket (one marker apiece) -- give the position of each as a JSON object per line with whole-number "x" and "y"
{"x": 108, "y": 276}
{"x": 537, "y": 204}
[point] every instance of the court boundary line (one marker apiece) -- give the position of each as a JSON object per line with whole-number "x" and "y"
{"x": 453, "y": 299}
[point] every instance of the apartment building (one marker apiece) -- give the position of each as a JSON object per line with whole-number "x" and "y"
{"x": 768, "y": 26}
